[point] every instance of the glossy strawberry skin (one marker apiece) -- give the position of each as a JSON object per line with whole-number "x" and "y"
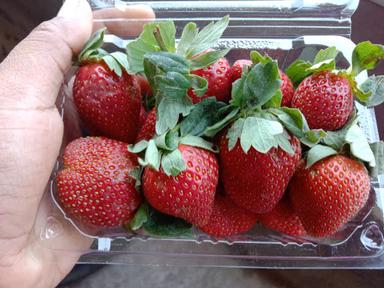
{"x": 287, "y": 89}
{"x": 227, "y": 219}
{"x": 95, "y": 186}
{"x": 107, "y": 104}
{"x": 190, "y": 195}
{"x": 237, "y": 68}
{"x": 325, "y": 99}
{"x": 143, "y": 117}
{"x": 148, "y": 130}
{"x": 257, "y": 181}
{"x": 328, "y": 194}
{"x": 218, "y": 76}
{"x": 283, "y": 219}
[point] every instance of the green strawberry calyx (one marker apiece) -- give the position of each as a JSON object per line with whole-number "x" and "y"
{"x": 158, "y": 224}
{"x": 365, "y": 56}
{"x": 255, "y": 115}
{"x": 162, "y": 150}
{"x": 352, "y": 142}
{"x": 168, "y": 65}
{"x": 93, "y": 52}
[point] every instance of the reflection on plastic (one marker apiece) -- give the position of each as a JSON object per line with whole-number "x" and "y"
{"x": 53, "y": 229}
{"x": 372, "y": 238}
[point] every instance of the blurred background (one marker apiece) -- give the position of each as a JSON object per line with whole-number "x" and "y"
{"x": 19, "y": 17}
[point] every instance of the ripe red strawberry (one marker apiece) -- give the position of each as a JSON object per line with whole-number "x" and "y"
{"x": 218, "y": 76}
{"x": 95, "y": 186}
{"x": 329, "y": 194}
{"x": 108, "y": 105}
{"x": 237, "y": 68}
{"x": 283, "y": 219}
{"x": 286, "y": 88}
{"x": 227, "y": 219}
{"x": 254, "y": 180}
{"x": 145, "y": 88}
{"x": 189, "y": 195}
{"x": 143, "y": 117}
{"x": 325, "y": 99}
{"x": 148, "y": 130}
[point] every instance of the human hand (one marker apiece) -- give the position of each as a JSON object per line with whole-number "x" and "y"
{"x": 36, "y": 248}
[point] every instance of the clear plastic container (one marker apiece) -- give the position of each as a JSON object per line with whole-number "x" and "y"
{"x": 285, "y": 30}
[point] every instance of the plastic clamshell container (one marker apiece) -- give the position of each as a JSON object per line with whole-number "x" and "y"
{"x": 285, "y": 30}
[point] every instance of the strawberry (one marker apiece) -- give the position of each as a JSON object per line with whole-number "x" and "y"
{"x": 189, "y": 195}
{"x": 237, "y": 68}
{"x": 286, "y": 88}
{"x": 143, "y": 117}
{"x": 227, "y": 219}
{"x": 256, "y": 181}
{"x": 108, "y": 104}
{"x": 95, "y": 186}
{"x": 329, "y": 193}
{"x": 283, "y": 219}
{"x": 218, "y": 76}
{"x": 148, "y": 130}
{"x": 325, "y": 99}
{"x": 145, "y": 88}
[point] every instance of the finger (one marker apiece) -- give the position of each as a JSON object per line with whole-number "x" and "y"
{"x": 124, "y": 22}
{"x": 33, "y": 72}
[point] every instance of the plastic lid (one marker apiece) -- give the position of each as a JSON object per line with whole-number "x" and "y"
{"x": 266, "y": 19}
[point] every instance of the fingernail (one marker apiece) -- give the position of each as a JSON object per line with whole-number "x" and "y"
{"x": 72, "y": 8}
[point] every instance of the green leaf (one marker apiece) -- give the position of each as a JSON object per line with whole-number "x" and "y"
{"x": 141, "y": 217}
{"x": 313, "y": 137}
{"x": 138, "y": 147}
{"x": 207, "y": 37}
{"x": 283, "y": 142}
{"x": 173, "y": 163}
{"x": 92, "y": 45}
{"x": 122, "y": 59}
{"x": 204, "y": 114}
{"x": 172, "y": 85}
{"x": 260, "y": 133}
{"x": 359, "y": 145}
{"x": 165, "y": 37}
{"x": 326, "y": 65}
{"x": 169, "y": 111}
{"x": 256, "y": 58}
{"x": 378, "y": 150}
{"x": 188, "y": 35}
{"x": 292, "y": 119}
{"x": 257, "y": 87}
{"x": 374, "y": 86}
{"x": 196, "y": 141}
{"x": 329, "y": 53}
{"x": 152, "y": 156}
{"x": 208, "y": 58}
{"x": 199, "y": 84}
{"x": 113, "y": 65}
{"x": 275, "y": 101}
{"x": 168, "y": 141}
{"x": 318, "y": 153}
{"x": 336, "y": 139}
{"x": 160, "y": 224}
{"x": 366, "y": 56}
{"x": 234, "y": 133}
{"x": 298, "y": 71}
{"x": 217, "y": 127}
{"x": 147, "y": 43}
{"x": 168, "y": 62}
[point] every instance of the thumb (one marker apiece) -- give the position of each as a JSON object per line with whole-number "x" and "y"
{"x": 33, "y": 72}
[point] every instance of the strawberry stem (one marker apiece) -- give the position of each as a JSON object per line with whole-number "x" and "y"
{"x": 159, "y": 39}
